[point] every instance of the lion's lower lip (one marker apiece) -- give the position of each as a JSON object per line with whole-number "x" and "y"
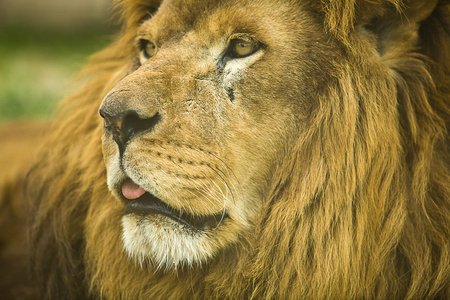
{"x": 148, "y": 204}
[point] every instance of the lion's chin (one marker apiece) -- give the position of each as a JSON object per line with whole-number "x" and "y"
{"x": 164, "y": 243}
{"x": 166, "y": 237}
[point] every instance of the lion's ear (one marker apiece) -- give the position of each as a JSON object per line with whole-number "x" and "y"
{"x": 133, "y": 12}
{"x": 342, "y": 17}
{"x": 399, "y": 28}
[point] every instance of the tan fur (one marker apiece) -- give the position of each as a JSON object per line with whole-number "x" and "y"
{"x": 19, "y": 142}
{"x": 329, "y": 159}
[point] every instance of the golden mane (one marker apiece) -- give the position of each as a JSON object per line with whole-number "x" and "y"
{"x": 360, "y": 211}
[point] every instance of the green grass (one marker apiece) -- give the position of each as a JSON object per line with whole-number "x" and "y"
{"x": 36, "y": 69}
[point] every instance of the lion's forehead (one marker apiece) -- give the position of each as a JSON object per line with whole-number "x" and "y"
{"x": 213, "y": 19}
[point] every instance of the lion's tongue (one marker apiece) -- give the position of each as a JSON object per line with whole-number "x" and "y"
{"x": 131, "y": 190}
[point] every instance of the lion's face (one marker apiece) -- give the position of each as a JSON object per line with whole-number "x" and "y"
{"x": 195, "y": 133}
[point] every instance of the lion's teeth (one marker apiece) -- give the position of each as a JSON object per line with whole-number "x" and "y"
{"x": 131, "y": 190}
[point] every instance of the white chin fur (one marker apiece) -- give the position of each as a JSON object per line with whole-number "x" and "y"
{"x": 164, "y": 243}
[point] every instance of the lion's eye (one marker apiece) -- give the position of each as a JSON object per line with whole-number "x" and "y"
{"x": 242, "y": 48}
{"x": 148, "y": 49}
{"x": 238, "y": 48}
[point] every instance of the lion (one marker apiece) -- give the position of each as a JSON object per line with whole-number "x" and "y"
{"x": 248, "y": 150}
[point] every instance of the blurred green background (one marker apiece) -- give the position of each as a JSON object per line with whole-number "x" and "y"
{"x": 42, "y": 46}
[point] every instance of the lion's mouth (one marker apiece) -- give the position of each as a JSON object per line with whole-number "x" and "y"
{"x": 144, "y": 203}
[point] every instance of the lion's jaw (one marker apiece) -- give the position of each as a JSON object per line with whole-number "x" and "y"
{"x": 209, "y": 145}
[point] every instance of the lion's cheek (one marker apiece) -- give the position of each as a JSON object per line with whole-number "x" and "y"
{"x": 256, "y": 162}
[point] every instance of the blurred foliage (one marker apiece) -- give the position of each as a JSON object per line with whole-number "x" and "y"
{"x": 37, "y": 67}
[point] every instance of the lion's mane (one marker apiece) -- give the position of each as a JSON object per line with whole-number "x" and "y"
{"x": 361, "y": 210}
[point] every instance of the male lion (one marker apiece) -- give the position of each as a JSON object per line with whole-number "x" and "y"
{"x": 248, "y": 149}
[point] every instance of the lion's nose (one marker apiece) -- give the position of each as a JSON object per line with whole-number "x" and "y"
{"x": 125, "y": 125}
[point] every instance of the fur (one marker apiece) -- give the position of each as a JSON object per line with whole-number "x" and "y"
{"x": 350, "y": 192}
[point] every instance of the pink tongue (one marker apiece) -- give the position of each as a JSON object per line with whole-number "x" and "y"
{"x": 131, "y": 190}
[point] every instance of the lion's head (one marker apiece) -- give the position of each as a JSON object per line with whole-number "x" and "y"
{"x": 196, "y": 132}
{"x": 265, "y": 149}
